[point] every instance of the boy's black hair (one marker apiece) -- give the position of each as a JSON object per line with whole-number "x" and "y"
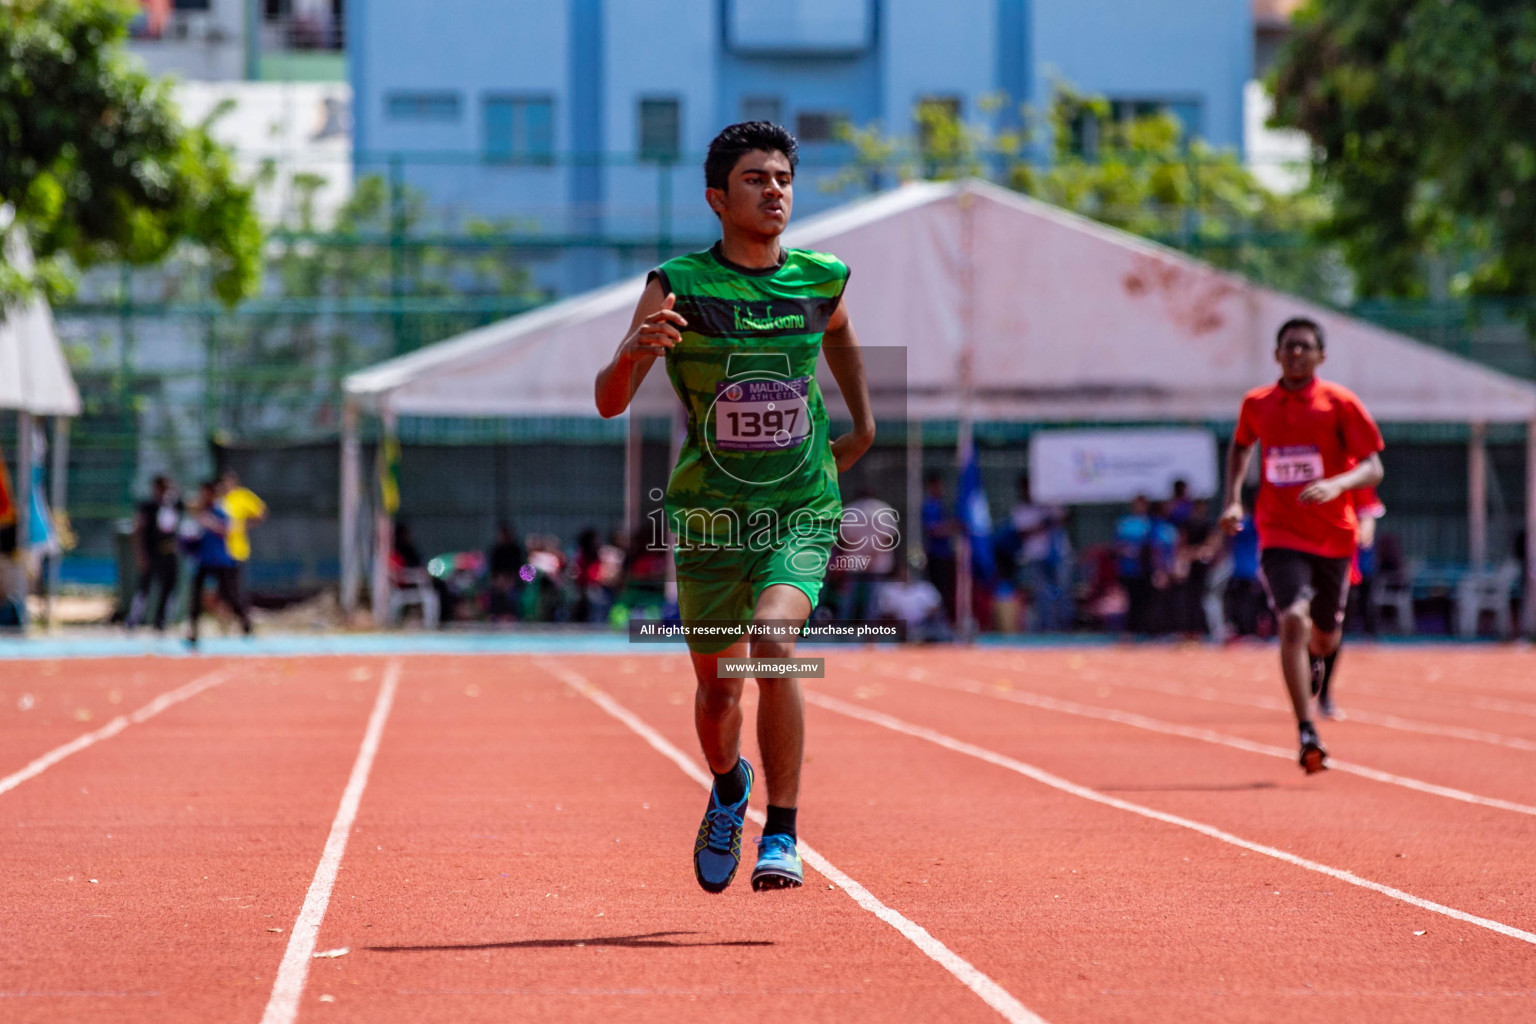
{"x": 1302, "y": 322}
{"x": 746, "y": 137}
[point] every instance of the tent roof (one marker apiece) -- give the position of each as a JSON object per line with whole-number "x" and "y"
{"x": 34, "y": 376}
{"x": 1069, "y": 320}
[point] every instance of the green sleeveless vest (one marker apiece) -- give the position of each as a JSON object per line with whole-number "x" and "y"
{"x": 746, "y": 372}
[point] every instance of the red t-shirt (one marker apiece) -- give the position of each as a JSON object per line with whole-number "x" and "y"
{"x": 1367, "y": 503}
{"x": 1317, "y": 432}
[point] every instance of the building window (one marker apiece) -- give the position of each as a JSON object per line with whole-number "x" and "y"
{"x": 762, "y": 108}
{"x": 441, "y": 107}
{"x": 661, "y": 129}
{"x": 519, "y": 128}
{"x": 800, "y": 27}
{"x": 819, "y": 126}
{"x": 1088, "y": 133}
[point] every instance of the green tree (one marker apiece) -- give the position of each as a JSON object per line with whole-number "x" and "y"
{"x": 1139, "y": 174}
{"x": 1423, "y": 118}
{"x": 95, "y": 164}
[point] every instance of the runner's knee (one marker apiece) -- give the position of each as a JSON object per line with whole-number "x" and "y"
{"x": 773, "y": 649}
{"x": 718, "y": 696}
{"x": 1294, "y": 621}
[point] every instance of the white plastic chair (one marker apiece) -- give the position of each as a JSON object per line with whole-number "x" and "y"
{"x": 1487, "y": 591}
{"x": 1395, "y": 593}
{"x": 414, "y": 587}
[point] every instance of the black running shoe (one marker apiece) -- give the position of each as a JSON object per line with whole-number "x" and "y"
{"x": 1314, "y": 758}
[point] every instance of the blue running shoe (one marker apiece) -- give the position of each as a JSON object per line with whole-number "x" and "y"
{"x": 717, "y": 851}
{"x": 778, "y": 864}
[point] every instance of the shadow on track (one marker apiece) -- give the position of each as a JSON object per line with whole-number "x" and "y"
{"x": 649, "y": 940}
{"x": 1215, "y": 787}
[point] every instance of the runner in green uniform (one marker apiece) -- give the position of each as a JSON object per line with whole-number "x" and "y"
{"x": 753, "y": 501}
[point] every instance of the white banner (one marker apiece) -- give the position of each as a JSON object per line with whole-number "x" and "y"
{"x": 1068, "y": 467}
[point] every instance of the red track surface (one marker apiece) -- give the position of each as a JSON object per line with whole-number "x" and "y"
{"x": 521, "y": 854}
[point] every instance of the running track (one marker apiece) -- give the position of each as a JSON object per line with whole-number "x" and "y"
{"x": 1091, "y": 834}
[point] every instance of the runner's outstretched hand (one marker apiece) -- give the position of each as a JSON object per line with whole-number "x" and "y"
{"x": 658, "y": 332}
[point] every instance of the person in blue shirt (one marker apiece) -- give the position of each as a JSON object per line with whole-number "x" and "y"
{"x": 214, "y": 562}
{"x": 1133, "y": 554}
{"x": 1244, "y": 597}
{"x": 938, "y": 547}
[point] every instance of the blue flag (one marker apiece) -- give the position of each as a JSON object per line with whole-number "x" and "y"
{"x": 977, "y": 518}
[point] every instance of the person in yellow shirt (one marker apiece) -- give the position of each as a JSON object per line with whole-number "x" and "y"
{"x": 242, "y": 506}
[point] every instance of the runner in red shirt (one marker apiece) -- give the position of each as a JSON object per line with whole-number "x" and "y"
{"x": 1368, "y": 509}
{"x": 1318, "y": 444}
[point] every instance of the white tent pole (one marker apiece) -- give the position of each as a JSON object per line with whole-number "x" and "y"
{"x": 58, "y": 477}
{"x": 674, "y": 449}
{"x": 384, "y": 531}
{"x": 1529, "y": 606}
{"x": 914, "y": 488}
{"x": 351, "y": 499}
{"x": 23, "y": 493}
{"x": 1477, "y": 497}
{"x": 632, "y": 452}
{"x": 965, "y": 621}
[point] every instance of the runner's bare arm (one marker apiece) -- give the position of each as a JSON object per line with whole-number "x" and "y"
{"x": 655, "y": 327}
{"x": 1237, "y": 470}
{"x": 1366, "y": 473}
{"x": 841, "y": 346}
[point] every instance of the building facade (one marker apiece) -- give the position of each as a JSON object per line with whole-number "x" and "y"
{"x": 588, "y": 119}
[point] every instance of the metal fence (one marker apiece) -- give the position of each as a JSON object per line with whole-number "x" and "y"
{"x": 410, "y": 254}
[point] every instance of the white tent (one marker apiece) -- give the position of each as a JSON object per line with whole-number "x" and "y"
{"x": 1008, "y": 309}
{"x": 35, "y": 381}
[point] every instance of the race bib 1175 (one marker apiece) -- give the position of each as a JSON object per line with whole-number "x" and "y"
{"x": 1293, "y": 465}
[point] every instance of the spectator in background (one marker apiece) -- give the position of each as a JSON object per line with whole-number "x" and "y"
{"x": 1246, "y": 606}
{"x": 242, "y": 506}
{"x": 864, "y": 553}
{"x": 1133, "y": 554}
{"x": 505, "y": 560}
{"x": 406, "y": 554}
{"x": 1199, "y": 544}
{"x": 592, "y": 595}
{"x": 1180, "y": 505}
{"x": 1162, "y": 554}
{"x": 545, "y": 598}
{"x": 214, "y": 561}
{"x": 154, "y": 551}
{"x": 939, "y": 526}
{"x": 1042, "y": 552}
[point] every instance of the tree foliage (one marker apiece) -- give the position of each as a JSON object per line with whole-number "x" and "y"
{"x": 95, "y": 163}
{"x": 1139, "y": 174}
{"x": 1423, "y": 115}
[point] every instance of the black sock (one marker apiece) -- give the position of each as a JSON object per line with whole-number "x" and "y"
{"x": 732, "y": 786}
{"x": 781, "y": 822}
{"x": 1328, "y": 661}
{"x": 1305, "y": 727}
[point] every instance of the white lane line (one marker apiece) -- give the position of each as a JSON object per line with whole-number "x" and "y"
{"x": 1211, "y": 694}
{"x": 283, "y": 1006}
{"x": 1067, "y": 707}
{"x": 112, "y": 728}
{"x": 1513, "y": 707}
{"x": 993, "y": 994}
{"x": 1057, "y": 782}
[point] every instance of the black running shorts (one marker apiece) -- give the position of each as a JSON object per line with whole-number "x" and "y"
{"x": 1290, "y": 576}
